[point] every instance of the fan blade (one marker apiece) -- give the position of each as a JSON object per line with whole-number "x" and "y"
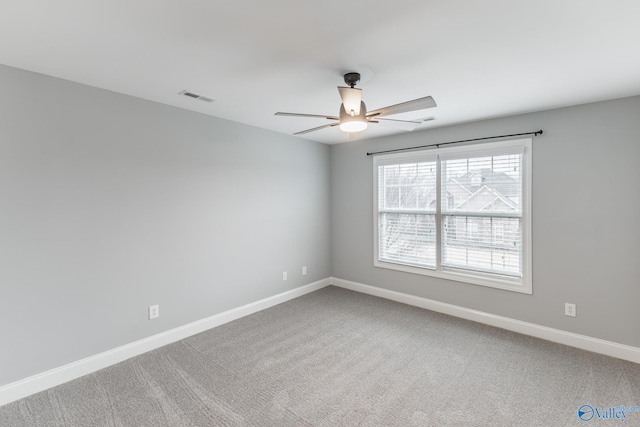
{"x": 398, "y": 121}
{"x": 404, "y": 107}
{"x": 318, "y": 128}
{"x": 401, "y": 124}
{"x": 351, "y": 98}
{"x": 307, "y": 115}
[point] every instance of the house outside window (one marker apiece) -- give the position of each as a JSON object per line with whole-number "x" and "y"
{"x": 460, "y": 213}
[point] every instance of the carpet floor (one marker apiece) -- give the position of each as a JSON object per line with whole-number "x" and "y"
{"x": 340, "y": 358}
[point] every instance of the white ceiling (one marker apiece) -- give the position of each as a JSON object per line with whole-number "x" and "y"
{"x": 478, "y": 59}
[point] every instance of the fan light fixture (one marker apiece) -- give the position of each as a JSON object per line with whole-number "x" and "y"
{"x": 352, "y": 122}
{"x": 355, "y": 124}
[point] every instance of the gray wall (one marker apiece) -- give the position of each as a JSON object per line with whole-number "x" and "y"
{"x": 586, "y": 226}
{"x": 109, "y": 204}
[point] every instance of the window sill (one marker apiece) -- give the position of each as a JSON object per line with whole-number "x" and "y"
{"x": 488, "y": 280}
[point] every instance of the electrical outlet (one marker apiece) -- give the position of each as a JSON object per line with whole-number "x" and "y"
{"x": 284, "y": 275}
{"x": 154, "y": 311}
{"x": 304, "y": 270}
{"x": 569, "y": 309}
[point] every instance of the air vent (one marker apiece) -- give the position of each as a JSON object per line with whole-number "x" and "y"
{"x": 427, "y": 119}
{"x": 196, "y": 96}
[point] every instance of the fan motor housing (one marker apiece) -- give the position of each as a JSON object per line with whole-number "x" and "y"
{"x": 352, "y": 79}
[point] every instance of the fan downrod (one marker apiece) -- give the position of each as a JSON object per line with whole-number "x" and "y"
{"x": 352, "y": 79}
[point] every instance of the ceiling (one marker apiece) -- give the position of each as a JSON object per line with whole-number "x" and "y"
{"x": 478, "y": 59}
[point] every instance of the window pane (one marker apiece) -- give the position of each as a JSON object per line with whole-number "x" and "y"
{"x": 391, "y": 174}
{"x": 408, "y": 239}
{"x": 482, "y": 184}
{"x": 408, "y": 197}
{"x": 409, "y": 186}
{"x": 391, "y": 197}
{"x": 482, "y": 244}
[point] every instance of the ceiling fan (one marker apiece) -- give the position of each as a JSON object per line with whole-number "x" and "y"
{"x": 353, "y": 115}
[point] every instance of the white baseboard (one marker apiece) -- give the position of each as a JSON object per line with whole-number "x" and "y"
{"x": 583, "y": 342}
{"x": 63, "y": 374}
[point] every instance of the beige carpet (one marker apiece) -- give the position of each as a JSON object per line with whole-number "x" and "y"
{"x": 336, "y": 357}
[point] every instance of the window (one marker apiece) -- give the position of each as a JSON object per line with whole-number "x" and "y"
{"x": 460, "y": 213}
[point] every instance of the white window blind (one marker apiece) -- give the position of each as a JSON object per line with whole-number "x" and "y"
{"x": 406, "y": 213}
{"x": 461, "y": 213}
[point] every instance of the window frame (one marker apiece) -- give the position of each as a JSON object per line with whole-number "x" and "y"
{"x": 521, "y": 284}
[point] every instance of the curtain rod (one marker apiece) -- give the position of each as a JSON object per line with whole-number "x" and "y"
{"x": 536, "y": 133}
